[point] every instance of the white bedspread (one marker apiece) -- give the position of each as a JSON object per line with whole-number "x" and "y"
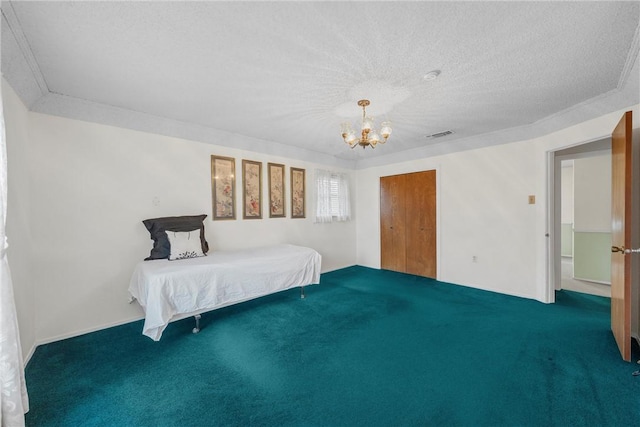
{"x": 167, "y": 290}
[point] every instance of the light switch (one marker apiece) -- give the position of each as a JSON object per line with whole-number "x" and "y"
{"x": 532, "y": 200}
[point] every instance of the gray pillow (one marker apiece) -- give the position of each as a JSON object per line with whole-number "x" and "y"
{"x": 157, "y": 227}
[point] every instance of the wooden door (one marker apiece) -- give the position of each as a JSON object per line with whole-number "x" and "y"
{"x": 421, "y": 223}
{"x": 621, "y": 235}
{"x": 408, "y": 223}
{"x": 392, "y": 223}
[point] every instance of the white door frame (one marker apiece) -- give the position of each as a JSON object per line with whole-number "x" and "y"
{"x": 583, "y": 150}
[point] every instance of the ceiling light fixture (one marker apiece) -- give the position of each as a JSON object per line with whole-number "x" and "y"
{"x": 368, "y": 136}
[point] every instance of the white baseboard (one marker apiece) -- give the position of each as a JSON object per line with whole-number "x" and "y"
{"x": 496, "y": 291}
{"x": 61, "y": 337}
{"x": 592, "y": 281}
{"x": 29, "y": 354}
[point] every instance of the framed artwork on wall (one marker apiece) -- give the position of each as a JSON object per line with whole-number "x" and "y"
{"x": 223, "y": 187}
{"x": 251, "y": 189}
{"x": 276, "y": 190}
{"x": 297, "y": 193}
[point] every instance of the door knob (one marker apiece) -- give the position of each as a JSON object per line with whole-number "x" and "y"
{"x": 625, "y": 251}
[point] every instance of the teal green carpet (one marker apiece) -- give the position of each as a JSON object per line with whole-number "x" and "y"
{"x": 365, "y": 348}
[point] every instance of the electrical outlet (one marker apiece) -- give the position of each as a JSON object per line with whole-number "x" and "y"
{"x": 474, "y": 259}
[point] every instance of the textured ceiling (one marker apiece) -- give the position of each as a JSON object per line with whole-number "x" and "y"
{"x": 289, "y": 73}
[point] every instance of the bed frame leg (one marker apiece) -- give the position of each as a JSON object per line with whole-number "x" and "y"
{"x": 197, "y": 328}
{"x": 301, "y": 292}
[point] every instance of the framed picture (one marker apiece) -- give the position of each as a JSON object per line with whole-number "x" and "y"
{"x": 223, "y": 187}
{"x": 252, "y": 189}
{"x": 297, "y": 193}
{"x": 276, "y": 190}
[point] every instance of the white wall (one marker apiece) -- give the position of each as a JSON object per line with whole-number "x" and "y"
{"x": 92, "y": 185}
{"x": 566, "y": 182}
{"x": 483, "y": 210}
{"x": 566, "y": 208}
{"x": 482, "y": 204}
{"x": 592, "y": 218}
{"x": 592, "y": 194}
{"x": 18, "y": 220}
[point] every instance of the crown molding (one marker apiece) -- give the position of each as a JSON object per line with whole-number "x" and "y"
{"x": 617, "y": 99}
{"x": 11, "y": 23}
{"x": 21, "y": 70}
{"x": 79, "y": 109}
{"x": 632, "y": 60}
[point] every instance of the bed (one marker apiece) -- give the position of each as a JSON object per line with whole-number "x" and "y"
{"x": 173, "y": 290}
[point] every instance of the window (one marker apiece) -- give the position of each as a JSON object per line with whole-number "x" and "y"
{"x": 333, "y": 192}
{"x": 332, "y": 197}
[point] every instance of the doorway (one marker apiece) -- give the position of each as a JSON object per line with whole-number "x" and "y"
{"x": 585, "y": 223}
{"x": 597, "y": 148}
{"x": 554, "y": 260}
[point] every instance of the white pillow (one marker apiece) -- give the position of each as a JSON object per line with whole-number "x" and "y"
{"x": 184, "y": 244}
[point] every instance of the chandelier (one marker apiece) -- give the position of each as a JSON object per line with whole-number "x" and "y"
{"x": 368, "y": 136}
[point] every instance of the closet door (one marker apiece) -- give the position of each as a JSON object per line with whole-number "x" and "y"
{"x": 392, "y": 223}
{"x": 421, "y": 223}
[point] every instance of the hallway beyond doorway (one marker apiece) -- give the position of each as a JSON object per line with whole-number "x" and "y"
{"x": 586, "y": 287}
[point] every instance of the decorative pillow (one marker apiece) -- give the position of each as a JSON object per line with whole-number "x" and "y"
{"x": 157, "y": 227}
{"x": 184, "y": 244}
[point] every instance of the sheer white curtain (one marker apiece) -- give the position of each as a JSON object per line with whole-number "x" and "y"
{"x": 343, "y": 212}
{"x": 323, "y": 196}
{"x": 13, "y": 390}
{"x": 332, "y": 196}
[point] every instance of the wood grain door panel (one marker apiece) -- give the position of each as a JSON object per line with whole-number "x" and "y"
{"x": 421, "y": 224}
{"x": 621, "y": 234}
{"x": 392, "y": 223}
{"x": 408, "y": 223}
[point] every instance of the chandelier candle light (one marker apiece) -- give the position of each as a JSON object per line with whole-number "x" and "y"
{"x": 369, "y": 136}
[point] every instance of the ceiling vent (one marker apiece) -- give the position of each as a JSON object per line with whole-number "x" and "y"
{"x": 440, "y": 134}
